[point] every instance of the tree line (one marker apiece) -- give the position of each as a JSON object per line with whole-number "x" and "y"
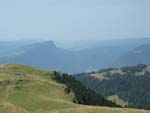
{"x": 82, "y": 94}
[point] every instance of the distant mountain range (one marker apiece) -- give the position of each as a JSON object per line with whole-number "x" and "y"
{"x": 138, "y": 55}
{"x": 83, "y": 57}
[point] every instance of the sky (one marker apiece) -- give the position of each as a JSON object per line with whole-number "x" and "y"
{"x": 74, "y": 19}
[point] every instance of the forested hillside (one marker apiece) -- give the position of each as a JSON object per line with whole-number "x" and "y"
{"x": 127, "y": 86}
{"x": 82, "y": 94}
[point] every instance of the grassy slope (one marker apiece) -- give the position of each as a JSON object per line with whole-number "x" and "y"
{"x": 26, "y": 90}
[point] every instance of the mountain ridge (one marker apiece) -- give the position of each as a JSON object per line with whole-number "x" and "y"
{"x": 47, "y": 55}
{"x": 139, "y": 55}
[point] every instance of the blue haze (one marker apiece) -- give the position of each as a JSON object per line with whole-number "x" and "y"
{"x": 74, "y": 19}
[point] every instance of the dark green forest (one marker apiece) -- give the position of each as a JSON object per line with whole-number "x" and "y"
{"x": 129, "y": 86}
{"x": 82, "y": 94}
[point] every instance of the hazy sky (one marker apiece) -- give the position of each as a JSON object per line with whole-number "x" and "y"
{"x": 74, "y": 19}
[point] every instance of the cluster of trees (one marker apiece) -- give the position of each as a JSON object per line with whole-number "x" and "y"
{"x": 133, "y": 69}
{"x": 129, "y": 87}
{"x": 82, "y": 94}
